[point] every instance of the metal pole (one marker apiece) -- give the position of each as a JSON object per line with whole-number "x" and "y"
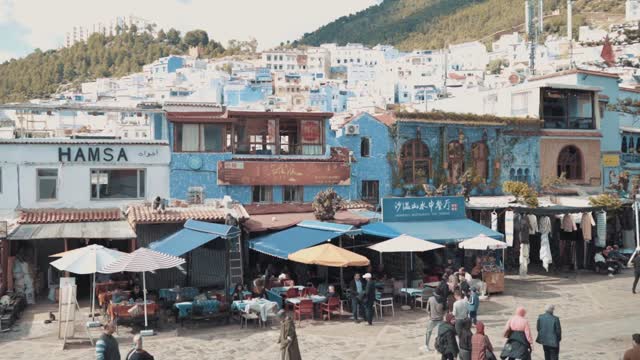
{"x": 144, "y": 295}
{"x": 341, "y": 270}
{"x": 93, "y": 299}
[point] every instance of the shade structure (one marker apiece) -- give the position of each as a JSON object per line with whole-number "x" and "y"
{"x": 437, "y": 231}
{"x": 143, "y": 260}
{"x": 482, "y": 242}
{"x": 405, "y": 243}
{"x": 194, "y": 235}
{"x": 329, "y": 255}
{"x": 87, "y": 260}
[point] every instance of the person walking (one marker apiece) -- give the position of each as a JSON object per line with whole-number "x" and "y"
{"x": 369, "y": 298}
{"x": 518, "y": 334}
{"x": 465, "y": 336}
{"x": 288, "y": 338}
{"x": 138, "y": 353}
{"x": 435, "y": 312}
{"x": 549, "y": 333}
{"x": 481, "y": 348}
{"x": 446, "y": 343}
{"x": 635, "y": 260}
{"x": 107, "y": 346}
{"x": 634, "y": 352}
{"x": 474, "y": 304}
{"x": 356, "y": 287}
{"x": 460, "y": 310}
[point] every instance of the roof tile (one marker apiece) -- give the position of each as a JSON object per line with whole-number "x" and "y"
{"x": 145, "y": 215}
{"x": 48, "y": 216}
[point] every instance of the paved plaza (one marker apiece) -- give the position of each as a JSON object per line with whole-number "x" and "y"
{"x": 598, "y": 316}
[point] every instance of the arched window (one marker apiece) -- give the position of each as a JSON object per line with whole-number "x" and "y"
{"x": 415, "y": 161}
{"x": 512, "y": 174}
{"x": 570, "y": 163}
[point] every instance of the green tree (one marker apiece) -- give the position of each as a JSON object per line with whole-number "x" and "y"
{"x": 173, "y": 36}
{"x": 196, "y": 38}
{"x": 161, "y": 36}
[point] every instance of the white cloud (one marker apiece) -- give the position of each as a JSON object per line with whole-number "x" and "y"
{"x": 269, "y": 21}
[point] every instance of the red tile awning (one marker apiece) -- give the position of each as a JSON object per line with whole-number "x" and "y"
{"x": 50, "y": 216}
{"x": 145, "y": 215}
{"x": 280, "y": 221}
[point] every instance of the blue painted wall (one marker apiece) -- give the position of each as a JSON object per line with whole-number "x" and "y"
{"x": 174, "y": 63}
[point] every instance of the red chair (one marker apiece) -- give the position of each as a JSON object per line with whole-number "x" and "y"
{"x": 290, "y": 294}
{"x": 288, "y": 283}
{"x": 304, "y": 308}
{"x": 309, "y": 291}
{"x": 332, "y": 304}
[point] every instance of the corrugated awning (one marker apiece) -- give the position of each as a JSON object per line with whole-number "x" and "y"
{"x": 114, "y": 230}
{"x": 258, "y": 223}
{"x": 302, "y": 236}
{"x": 194, "y": 235}
{"x": 438, "y": 231}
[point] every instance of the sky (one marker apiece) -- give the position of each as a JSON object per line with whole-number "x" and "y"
{"x": 29, "y": 24}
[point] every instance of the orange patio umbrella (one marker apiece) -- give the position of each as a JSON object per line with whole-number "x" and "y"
{"x": 328, "y": 255}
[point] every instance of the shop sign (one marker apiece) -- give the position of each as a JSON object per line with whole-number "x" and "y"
{"x": 92, "y": 154}
{"x": 610, "y": 160}
{"x": 423, "y": 208}
{"x": 283, "y": 173}
{"x": 311, "y": 131}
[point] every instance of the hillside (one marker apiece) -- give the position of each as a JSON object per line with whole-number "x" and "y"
{"x": 43, "y": 73}
{"x": 427, "y": 24}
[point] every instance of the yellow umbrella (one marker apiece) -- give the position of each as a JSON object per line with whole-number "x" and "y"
{"x": 328, "y": 255}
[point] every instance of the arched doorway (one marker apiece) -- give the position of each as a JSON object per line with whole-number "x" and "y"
{"x": 415, "y": 161}
{"x": 570, "y": 163}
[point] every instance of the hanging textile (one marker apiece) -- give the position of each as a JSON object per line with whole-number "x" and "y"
{"x": 628, "y": 239}
{"x": 545, "y": 251}
{"x": 545, "y": 225}
{"x": 533, "y": 224}
{"x": 623, "y": 148}
{"x": 523, "y": 233}
{"x": 508, "y": 227}
{"x": 586, "y": 223}
{"x": 568, "y": 224}
{"x": 494, "y": 221}
{"x": 524, "y": 259}
{"x": 601, "y": 229}
{"x": 627, "y": 220}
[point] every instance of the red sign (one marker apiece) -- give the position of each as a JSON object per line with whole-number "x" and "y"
{"x": 283, "y": 173}
{"x": 311, "y": 131}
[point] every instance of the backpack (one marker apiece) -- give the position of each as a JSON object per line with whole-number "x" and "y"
{"x": 441, "y": 344}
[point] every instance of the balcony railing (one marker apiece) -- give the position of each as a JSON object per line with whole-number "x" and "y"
{"x": 569, "y": 122}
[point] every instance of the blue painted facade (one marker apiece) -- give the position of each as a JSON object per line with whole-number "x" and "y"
{"x": 328, "y": 98}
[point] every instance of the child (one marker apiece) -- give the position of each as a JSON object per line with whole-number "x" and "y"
{"x": 474, "y": 304}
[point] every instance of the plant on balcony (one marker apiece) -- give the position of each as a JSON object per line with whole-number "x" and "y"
{"x": 326, "y": 204}
{"x": 553, "y": 182}
{"x": 524, "y": 193}
{"x": 609, "y": 201}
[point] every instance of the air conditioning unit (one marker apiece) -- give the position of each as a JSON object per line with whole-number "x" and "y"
{"x": 352, "y": 129}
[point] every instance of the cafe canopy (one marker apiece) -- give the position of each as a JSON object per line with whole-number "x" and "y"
{"x": 306, "y": 234}
{"x": 193, "y": 235}
{"x": 440, "y": 220}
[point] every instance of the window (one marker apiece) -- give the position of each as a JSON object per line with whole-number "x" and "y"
{"x": 195, "y": 194}
{"x": 201, "y": 137}
{"x": 520, "y": 104}
{"x": 568, "y": 109}
{"x": 365, "y": 147}
{"x": 293, "y": 194}
{"x": 570, "y": 163}
{"x": 118, "y": 184}
{"x": 371, "y": 191}
{"x": 47, "y": 184}
{"x": 415, "y": 161}
{"x": 262, "y": 194}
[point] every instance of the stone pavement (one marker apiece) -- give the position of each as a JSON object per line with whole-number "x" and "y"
{"x": 598, "y": 316}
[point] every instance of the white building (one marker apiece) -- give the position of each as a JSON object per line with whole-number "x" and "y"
{"x": 468, "y": 56}
{"x": 587, "y": 34}
{"x": 285, "y": 60}
{"x": 355, "y": 54}
{"x": 66, "y": 173}
{"x": 632, "y": 10}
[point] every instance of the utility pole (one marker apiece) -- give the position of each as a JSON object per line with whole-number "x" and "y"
{"x": 532, "y": 32}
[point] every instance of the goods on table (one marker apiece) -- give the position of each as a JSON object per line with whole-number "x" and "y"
{"x": 11, "y": 306}
{"x": 23, "y": 280}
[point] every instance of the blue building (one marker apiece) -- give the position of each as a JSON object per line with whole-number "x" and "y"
{"x": 255, "y": 89}
{"x": 328, "y": 98}
{"x": 165, "y": 65}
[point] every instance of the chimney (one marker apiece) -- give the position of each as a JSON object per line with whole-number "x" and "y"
{"x": 570, "y": 19}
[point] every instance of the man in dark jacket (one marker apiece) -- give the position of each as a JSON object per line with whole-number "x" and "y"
{"x": 369, "y": 298}
{"x": 107, "y": 346}
{"x": 356, "y": 287}
{"x": 549, "y": 333}
{"x": 446, "y": 343}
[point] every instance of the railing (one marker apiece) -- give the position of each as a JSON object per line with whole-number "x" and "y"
{"x": 569, "y": 122}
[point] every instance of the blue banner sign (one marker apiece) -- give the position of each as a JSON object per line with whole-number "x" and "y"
{"x": 423, "y": 208}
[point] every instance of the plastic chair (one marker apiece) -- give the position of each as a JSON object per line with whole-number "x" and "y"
{"x": 249, "y": 316}
{"x": 304, "y": 308}
{"x": 309, "y": 291}
{"x": 332, "y": 304}
{"x": 292, "y": 293}
{"x": 382, "y": 303}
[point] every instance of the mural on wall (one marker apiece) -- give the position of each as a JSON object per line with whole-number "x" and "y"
{"x": 480, "y": 157}
{"x": 455, "y": 151}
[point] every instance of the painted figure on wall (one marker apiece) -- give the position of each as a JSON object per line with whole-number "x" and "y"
{"x": 480, "y": 157}
{"x": 455, "y": 152}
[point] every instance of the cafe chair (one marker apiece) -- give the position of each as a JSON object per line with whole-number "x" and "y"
{"x": 422, "y": 299}
{"x": 309, "y": 291}
{"x": 332, "y": 304}
{"x": 304, "y": 308}
{"x": 245, "y": 317}
{"x": 380, "y": 304}
{"x": 290, "y": 294}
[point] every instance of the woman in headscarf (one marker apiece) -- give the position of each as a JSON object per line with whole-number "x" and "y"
{"x": 518, "y": 336}
{"x": 446, "y": 343}
{"x": 481, "y": 348}
{"x": 465, "y": 336}
{"x": 288, "y": 338}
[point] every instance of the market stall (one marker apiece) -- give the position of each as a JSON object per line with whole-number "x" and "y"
{"x": 490, "y": 270}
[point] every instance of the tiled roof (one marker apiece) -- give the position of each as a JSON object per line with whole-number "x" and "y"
{"x": 292, "y": 208}
{"x": 356, "y": 204}
{"x": 48, "y": 216}
{"x": 68, "y": 141}
{"x": 145, "y": 215}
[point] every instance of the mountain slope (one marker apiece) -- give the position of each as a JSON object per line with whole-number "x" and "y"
{"x": 424, "y": 24}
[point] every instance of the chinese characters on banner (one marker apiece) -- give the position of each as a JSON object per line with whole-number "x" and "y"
{"x": 423, "y": 208}
{"x": 508, "y": 227}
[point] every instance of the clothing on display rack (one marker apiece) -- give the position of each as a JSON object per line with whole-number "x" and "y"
{"x": 601, "y": 228}
{"x": 568, "y": 225}
{"x": 494, "y": 221}
{"x": 524, "y": 259}
{"x": 523, "y": 233}
{"x": 586, "y": 222}
{"x": 533, "y": 224}
{"x": 545, "y": 246}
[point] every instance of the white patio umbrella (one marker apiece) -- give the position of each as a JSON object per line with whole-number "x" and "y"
{"x": 482, "y": 242}
{"x": 87, "y": 260}
{"x": 405, "y": 243}
{"x": 143, "y": 260}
